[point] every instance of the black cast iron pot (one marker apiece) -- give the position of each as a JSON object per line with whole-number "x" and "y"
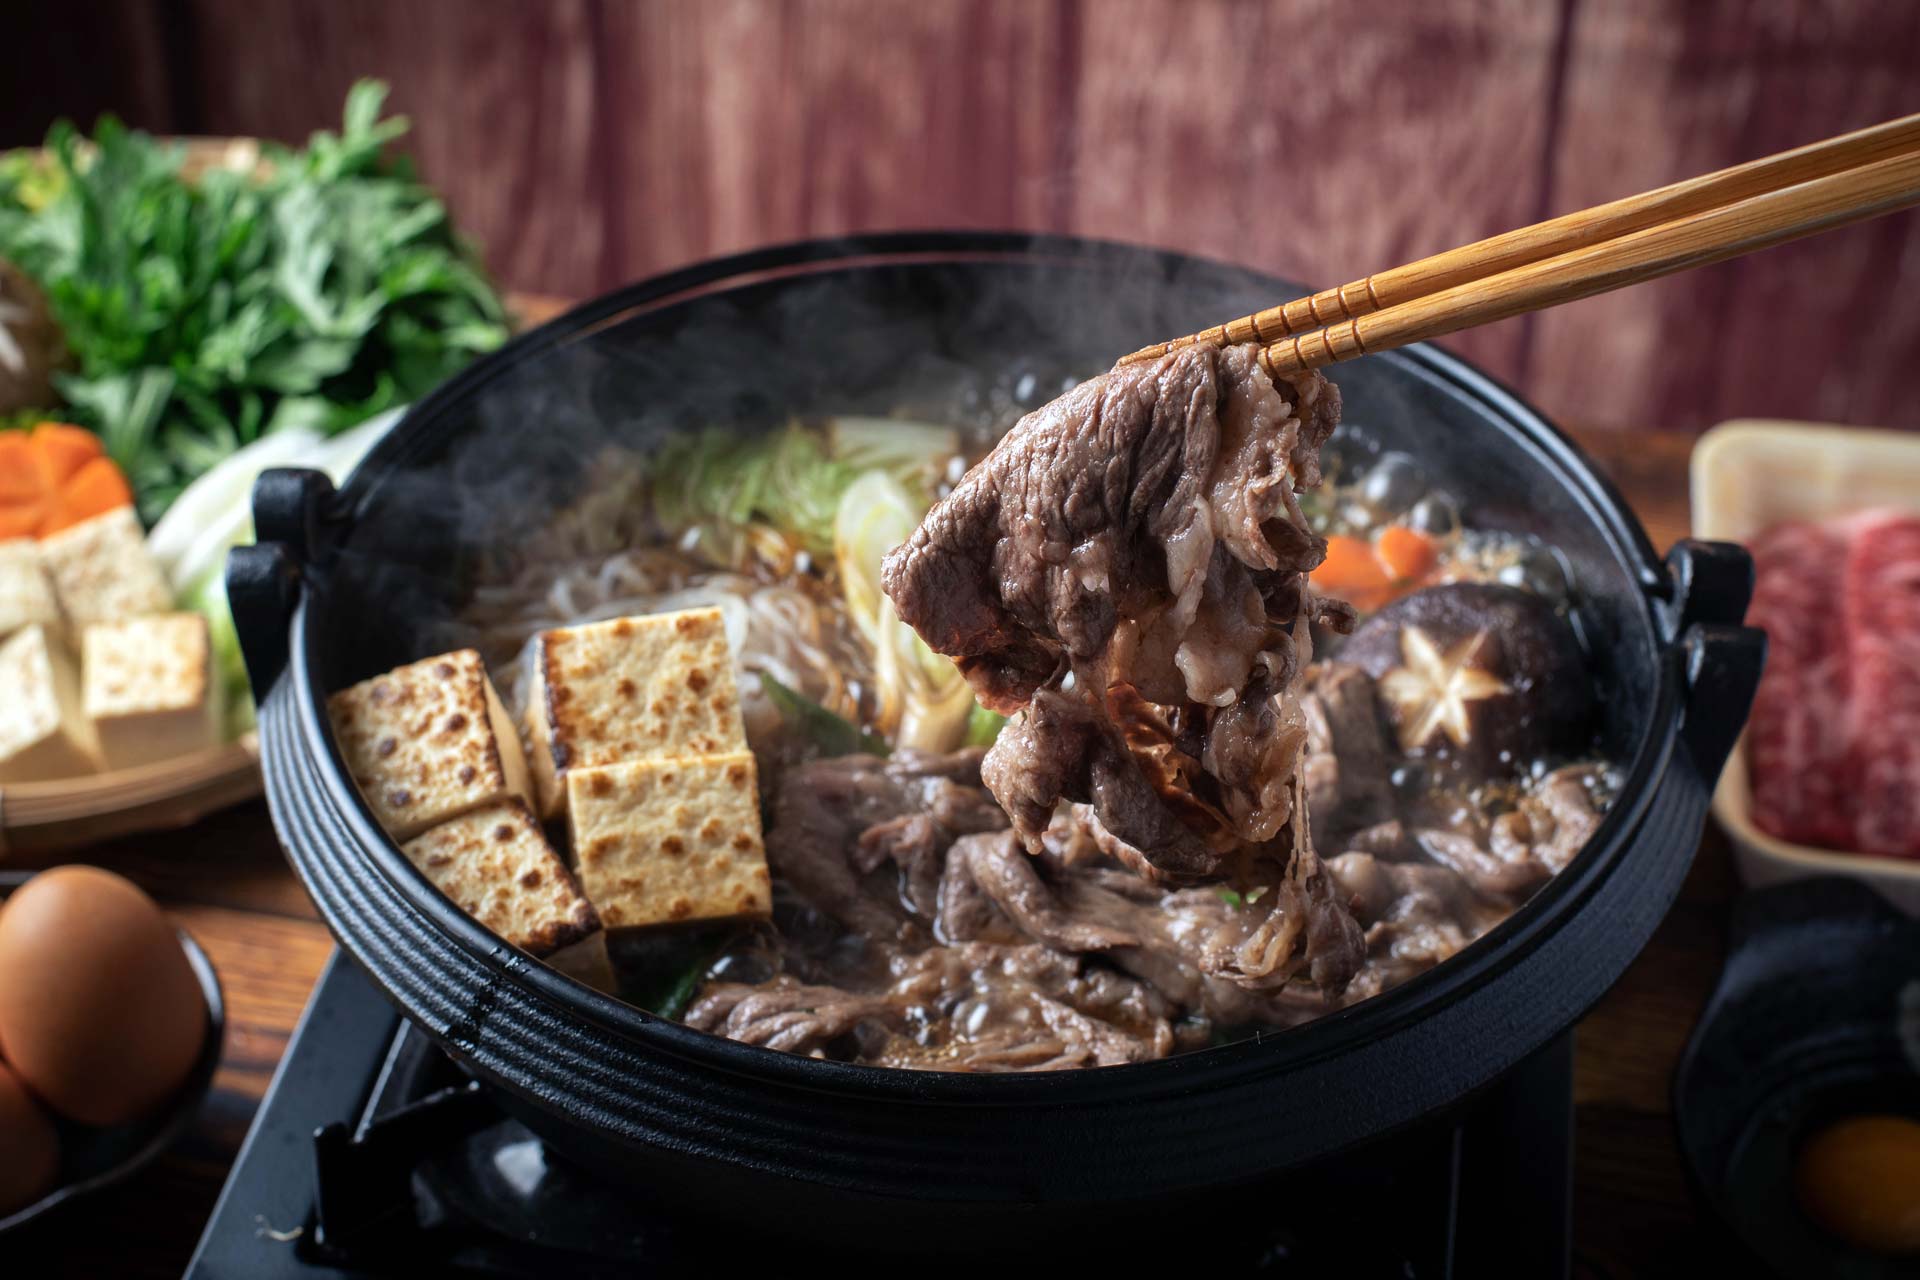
{"x": 343, "y": 585}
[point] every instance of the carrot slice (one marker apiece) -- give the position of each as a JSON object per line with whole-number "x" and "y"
{"x": 1406, "y": 554}
{"x": 63, "y": 450}
{"x": 95, "y": 489}
{"x": 1351, "y": 572}
{"x": 20, "y": 520}
{"x": 19, "y": 469}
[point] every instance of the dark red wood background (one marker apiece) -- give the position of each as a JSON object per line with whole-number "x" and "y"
{"x": 587, "y": 142}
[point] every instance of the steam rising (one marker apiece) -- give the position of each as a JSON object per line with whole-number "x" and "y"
{"x": 466, "y": 489}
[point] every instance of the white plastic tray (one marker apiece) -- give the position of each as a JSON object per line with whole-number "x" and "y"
{"x": 1746, "y": 476}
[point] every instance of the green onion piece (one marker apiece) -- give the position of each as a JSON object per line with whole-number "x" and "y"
{"x": 834, "y": 735}
{"x": 983, "y": 726}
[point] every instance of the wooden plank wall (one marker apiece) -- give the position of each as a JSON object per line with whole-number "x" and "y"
{"x": 587, "y": 142}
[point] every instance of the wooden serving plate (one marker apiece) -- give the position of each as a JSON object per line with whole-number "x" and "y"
{"x": 38, "y": 817}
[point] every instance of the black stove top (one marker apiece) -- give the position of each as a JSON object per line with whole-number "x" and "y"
{"x": 373, "y": 1156}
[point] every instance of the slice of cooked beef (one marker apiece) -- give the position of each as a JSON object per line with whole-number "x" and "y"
{"x": 1186, "y": 942}
{"x": 1347, "y": 753}
{"x": 835, "y": 822}
{"x": 974, "y": 1007}
{"x": 785, "y": 1014}
{"x": 1515, "y": 852}
{"x": 1552, "y": 823}
{"x": 996, "y": 865}
{"x": 1126, "y": 568}
{"x": 1415, "y": 915}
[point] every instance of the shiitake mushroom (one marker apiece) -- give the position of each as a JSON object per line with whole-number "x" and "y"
{"x": 1489, "y": 674}
{"x": 30, "y": 344}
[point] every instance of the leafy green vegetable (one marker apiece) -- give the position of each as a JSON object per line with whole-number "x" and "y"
{"x": 203, "y": 315}
{"x": 832, "y": 734}
{"x": 662, "y": 971}
{"x": 924, "y": 700}
{"x": 720, "y": 482}
{"x": 25, "y": 419}
{"x": 209, "y": 597}
{"x": 983, "y": 726}
{"x": 916, "y": 454}
{"x": 1229, "y": 896}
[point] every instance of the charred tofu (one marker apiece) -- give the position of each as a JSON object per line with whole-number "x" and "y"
{"x": 644, "y": 688}
{"x": 588, "y": 963}
{"x": 148, "y": 688}
{"x": 44, "y": 733}
{"x": 26, "y": 596}
{"x": 496, "y": 865}
{"x": 428, "y": 742}
{"x": 668, "y": 841}
{"x": 103, "y": 572}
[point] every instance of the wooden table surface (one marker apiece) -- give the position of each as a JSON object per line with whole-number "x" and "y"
{"x": 226, "y": 882}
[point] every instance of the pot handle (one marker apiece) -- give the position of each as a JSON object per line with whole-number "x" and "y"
{"x": 291, "y": 506}
{"x": 1711, "y": 583}
{"x": 1723, "y": 666}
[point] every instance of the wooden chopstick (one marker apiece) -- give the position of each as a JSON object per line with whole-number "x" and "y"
{"x": 1558, "y": 236}
{"x": 1757, "y": 222}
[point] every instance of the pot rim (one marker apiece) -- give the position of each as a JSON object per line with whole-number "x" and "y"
{"x": 1263, "y": 1053}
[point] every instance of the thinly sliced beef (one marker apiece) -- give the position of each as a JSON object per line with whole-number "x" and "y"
{"x": 1797, "y": 735}
{"x": 835, "y": 822}
{"x": 1526, "y": 847}
{"x": 1347, "y": 753}
{"x": 1415, "y": 915}
{"x": 1551, "y": 825}
{"x": 1882, "y": 593}
{"x": 1831, "y": 745}
{"x": 785, "y": 1014}
{"x": 1126, "y": 569}
{"x": 995, "y": 864}
{"x": 1191, "y": 943}
{"x": 975, "y": 1007}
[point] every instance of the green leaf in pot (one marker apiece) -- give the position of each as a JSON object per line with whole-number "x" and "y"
{"x": 832, "y": 734}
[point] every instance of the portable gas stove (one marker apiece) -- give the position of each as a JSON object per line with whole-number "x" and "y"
{"x": 373, "y": 1156}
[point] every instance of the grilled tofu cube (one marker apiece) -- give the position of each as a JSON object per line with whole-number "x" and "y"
{"x": 148, "y": 688}
{"x": 643, "y": 688}
{"x": 103, "y": 572}
{"x": 44, "y": 734}
{"x": 428, "y": 742}
{"x": 588, "y": 963}
{"x": 26, "y": 595}
{"x": 496, "y": 865}
{"x": 668, "y": 841}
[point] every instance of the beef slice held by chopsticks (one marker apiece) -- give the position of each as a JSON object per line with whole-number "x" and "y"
{"x": 1127, "y": 572}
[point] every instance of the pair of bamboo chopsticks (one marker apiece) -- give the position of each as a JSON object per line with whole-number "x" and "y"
{"x": 1689, "y": 224}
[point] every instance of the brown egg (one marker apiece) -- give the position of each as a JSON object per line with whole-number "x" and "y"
{"x": 1860, "y": 1179}
{"x": 29, "y": 1145}
{"x": 100, "y": 1013}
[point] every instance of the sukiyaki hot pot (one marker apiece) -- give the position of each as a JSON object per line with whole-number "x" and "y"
{"x": 956, "y": 1013}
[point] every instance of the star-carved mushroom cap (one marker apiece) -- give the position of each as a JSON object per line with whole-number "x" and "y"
{"x": 1430, "y": 692}
{"x": 1485, "y": 672}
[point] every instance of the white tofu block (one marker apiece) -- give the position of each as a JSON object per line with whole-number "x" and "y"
{"x": 670, "y": 841}
{"x": 428, "y": 742}
{"x": 103, "y": 572}
{"x": 44, "y": 733}
{"x": 496, "y": 865}
{"x": 149, "y": 688}
{"x": 26, "y": 593}
{"x": 645, "y": 688}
